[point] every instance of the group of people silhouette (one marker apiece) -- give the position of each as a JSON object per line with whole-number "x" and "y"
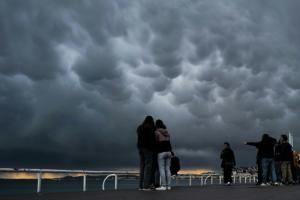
{"x": 274, "y": 161}
{"x": 274, "y": 158}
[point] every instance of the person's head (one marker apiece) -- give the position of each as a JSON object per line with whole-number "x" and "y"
{"x": 149, "y": 121}
{"x": 160, "y": 124}
{"x": 265, "y": 136}
{"x": 284, "y": 138}
{"x": 226, "y": 145}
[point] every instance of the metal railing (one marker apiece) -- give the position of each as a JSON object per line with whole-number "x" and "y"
{"x": 39, "y": 175}
{"x": 204, "y": 179}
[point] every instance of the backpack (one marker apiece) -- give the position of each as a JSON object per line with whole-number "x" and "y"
{"x": 175, "y": 165}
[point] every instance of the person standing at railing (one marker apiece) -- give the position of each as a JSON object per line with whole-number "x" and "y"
{"x": 146, "y": 146}
{"x": 164, "y": 150}
{"x": 258, "y": 160}
{"x": 266, "y": 147}
{"x": 228, "y": 162}
{"x": 286, "y": 158}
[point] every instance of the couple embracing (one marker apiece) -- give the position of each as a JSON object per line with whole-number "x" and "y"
{"x": 154, "y": 149}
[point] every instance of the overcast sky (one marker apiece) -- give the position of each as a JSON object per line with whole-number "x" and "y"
{"x": 77, "y": 78}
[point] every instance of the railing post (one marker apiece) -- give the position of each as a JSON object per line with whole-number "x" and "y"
{"x": 39, "y": 182}
{"x": 234, "y": 179}
{"x": 212, "y": 180}
{"x": 84, "y": 183}
{"x": 202, "y": 181}
{"x": 190, "y": 182}
{"x": 220, "y": 180}
{"x": 116, "y": 181}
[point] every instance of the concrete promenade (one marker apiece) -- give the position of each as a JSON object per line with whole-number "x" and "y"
{"x": 243, "y": 192}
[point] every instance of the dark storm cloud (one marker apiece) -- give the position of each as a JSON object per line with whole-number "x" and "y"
{"x": 77, "y": 77}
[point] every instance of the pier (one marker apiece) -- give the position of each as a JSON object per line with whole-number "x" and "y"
{"x": 236, "y": 192}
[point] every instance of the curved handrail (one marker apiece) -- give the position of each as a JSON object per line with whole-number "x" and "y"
{"x": 205, "y": 180}
{"x": 108, "y": 176}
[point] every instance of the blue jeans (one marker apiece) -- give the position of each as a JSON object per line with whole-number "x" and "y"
{"x": 164, "y": 163}
{"x": 268, "y": 169}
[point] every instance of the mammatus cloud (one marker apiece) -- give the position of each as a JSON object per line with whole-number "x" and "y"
{"x": 77, "y": 77}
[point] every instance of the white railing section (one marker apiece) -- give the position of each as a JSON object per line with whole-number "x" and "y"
{"x": 39, "y": 175}
{"x": 237, "y": 179}
{"x": 108, "y": 176}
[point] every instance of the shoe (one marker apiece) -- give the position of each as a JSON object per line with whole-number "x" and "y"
{"x": 276, "y": 184}
{"x": 147, "y": 189}
{"x": 228, "y": 184}
{"x": 162, "y": 188}
{"x": 263, "y": 184}
{"x": 169, "y": 188}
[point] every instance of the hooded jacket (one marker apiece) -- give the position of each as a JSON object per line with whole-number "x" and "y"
{"x": 163, "y": 143}
{"x": 146, "y": 137}
{"x": 286, "y": 152}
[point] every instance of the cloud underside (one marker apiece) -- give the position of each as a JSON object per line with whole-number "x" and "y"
{"x": 77, "y": 77}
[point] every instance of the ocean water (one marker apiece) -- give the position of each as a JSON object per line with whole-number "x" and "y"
{"x": 13, "y": 187}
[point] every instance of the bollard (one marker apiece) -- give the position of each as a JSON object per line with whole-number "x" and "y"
{"x": 39, "y": 182}
{"x": 84, "y": 183}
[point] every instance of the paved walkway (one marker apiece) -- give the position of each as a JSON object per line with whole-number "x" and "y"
{"x": 201, "y": 193}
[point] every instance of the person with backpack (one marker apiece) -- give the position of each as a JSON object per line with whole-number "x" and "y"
{"x": 164, "y": 150}
{"x": 228, "y": 162}
{"x": 146, "y": 146}
{"x": 286, "y": 158}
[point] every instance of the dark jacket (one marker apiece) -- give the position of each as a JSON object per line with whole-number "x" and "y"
{"x": 228, "y": 159}
{"x": 277, "y": 156}
{"x": 163, "y": 143}
{"x": 146, "y": 137}
{"x": 286, "y": 152}
{"x": 265, "y": 147}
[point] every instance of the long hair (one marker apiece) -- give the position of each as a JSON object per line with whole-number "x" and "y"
{"x": 160, "y": 124}
{"x": 149, "y": 122}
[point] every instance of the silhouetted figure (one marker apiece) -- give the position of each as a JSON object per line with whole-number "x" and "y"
{"x": 258, "y": 160}
{"x": 164, "y": 150}
{"x": 277, "y": 158}
{"x": 146, "y": 147}
{"x": 228, "y": 162}
{"x": 268, "y": 163}
{"x": 266, "y": 153}
{"x": 286, "y": 158}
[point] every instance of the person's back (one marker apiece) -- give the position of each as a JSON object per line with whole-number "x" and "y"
{"x": 163, "y": 141}
{"x": 164, "y": 149}
{"x": 267, "y": 147}
{"x": 268, "y": 162}
{"x": 146, "y": 137}
{"x": 286, "y": 153}
{"x": 146, "y": 147}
